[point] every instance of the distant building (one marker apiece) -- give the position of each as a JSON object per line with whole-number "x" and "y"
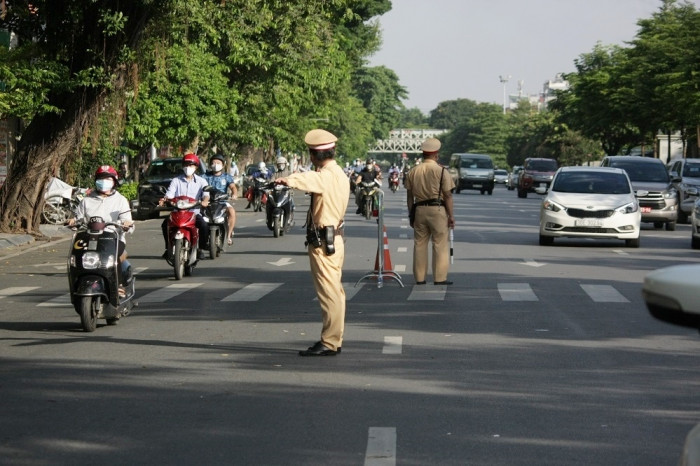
{"x": 552, "y": 86}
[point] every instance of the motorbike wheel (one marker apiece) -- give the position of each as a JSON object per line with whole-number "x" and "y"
{"x": 257, "y": 203}
{"x": 88, "y": 313}
{"x": 394, "y": 188}
{"x": 277, "y": 226}
{"x": 213, "y": 243}
{"x": 54, "y": 211}
{"x": 179, "y": 259}
{"x": 368, "y": 209}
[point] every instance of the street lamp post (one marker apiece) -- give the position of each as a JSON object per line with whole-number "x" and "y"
{"x": 504, "y": 81}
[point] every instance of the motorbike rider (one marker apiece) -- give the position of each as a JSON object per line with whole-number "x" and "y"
{"x": 283, "y": 171}
{"x": 393, "y": 169}
{"x": 223, "y": 182}
{"x": 367, "y": 174}
{"x": 260, "y": 172}
{"x": 106, "y": 202}
{"x": 191, "y": 185}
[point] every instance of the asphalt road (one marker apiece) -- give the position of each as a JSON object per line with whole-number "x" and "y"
{"x": 535, "y": 356}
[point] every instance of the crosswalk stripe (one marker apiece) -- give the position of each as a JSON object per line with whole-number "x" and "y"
{"x": 400, "y": 268}
{"x": 402, "y": 249}
{"x": 170, "y": 291}
{"x": 604, "y": 294}
{"x": 252, "y": 292}
{"x": 13, "y": 290}
{"x": 381, "y": 447}
{"x": 427, "y": 293}
{"x": 63, "y": 300}
{"x": 516, "y": 292}
{"x": 392, "y": 345}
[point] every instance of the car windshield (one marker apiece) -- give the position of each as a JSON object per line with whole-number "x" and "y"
{"x": 500, "y": 172}
{"x": 691, "y": 170}
{"x": 162, "y": 168}
{"x": 591, "y": 182}
{"x": 477, "y": 163}
{"x": 645, "y": 171}
{"x": 542, "y": 166}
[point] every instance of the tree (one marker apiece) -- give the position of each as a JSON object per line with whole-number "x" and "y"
{"x": 482, "y": 132}
{"x": 450, "y": 113}
{"x": 379, "y": 91}
{"x": 412, "y": 118}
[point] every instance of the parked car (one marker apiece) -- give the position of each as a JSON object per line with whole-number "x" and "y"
{"x": 685, "y": 175}
{"x": 159, "y": 174}
{"x": 590, "y": 202}
{"x": 472, "y": 171}
{"x": 500, "y": 176}
{"x": 536, "y": 176}
{"x": 660, "y": 200}
{"x": 512, "y": 182}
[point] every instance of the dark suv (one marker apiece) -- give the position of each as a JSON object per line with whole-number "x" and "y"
{"x": 159, "y": 174}
{"x": 658, "y": 199}
{"x": 536, "y": 176}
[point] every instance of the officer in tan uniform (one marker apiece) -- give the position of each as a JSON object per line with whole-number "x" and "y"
{"x": 429, "y": 198}
{"x": 330, "y": 190}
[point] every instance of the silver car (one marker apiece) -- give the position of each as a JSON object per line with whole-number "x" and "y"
{"x": 686, "y": 179}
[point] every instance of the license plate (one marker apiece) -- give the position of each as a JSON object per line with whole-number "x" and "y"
{"x": 645, "y": 210}
{"x": 589, "y": 222}
{"x": 477, "y": 185}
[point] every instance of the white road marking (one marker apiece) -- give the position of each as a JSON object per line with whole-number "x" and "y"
{"x": 392, "y": 345}
{"x": 399, "y": 268}
{"x": 427, "y": 293}
{"x": 167, "y": 293}
{"x": 620, "y": 252}
{"x": 604, "y": 294}
{"x": 402, "y": 249}
{"x": 381, "y": 447}
{"x": 63, "y": 300}
{"x": 16, "y": 290}
{"x": 403, "y": 236}
{"x": 516, "y": 292}
{"x": 252, "y": 292}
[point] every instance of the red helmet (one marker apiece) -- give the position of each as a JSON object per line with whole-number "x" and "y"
{"x": 106, "y": 171}
{"x": 190, "y": 158}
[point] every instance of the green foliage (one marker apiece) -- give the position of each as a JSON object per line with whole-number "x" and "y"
{"x": 129, "y": 190}
{"x": 412, "y": 118}
{"x": 380, "y": 93}
{"x": 484, "y": 131}
{"x": 451, "y": 113}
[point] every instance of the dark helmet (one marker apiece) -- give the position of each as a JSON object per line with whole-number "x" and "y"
{"x": 190, "y": 158}
{"x": 217, "y": 157}
{"x": 106, "y": 171}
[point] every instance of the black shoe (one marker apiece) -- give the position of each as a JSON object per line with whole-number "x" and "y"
{"x": 358, "y": 211}
{"x": 420, "y": 283}
{"x": 319, "y": 349}
{"x": 446, "y": 282}
{"x": 248, "y": 206}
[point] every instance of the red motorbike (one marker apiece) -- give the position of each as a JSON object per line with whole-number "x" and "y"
{"x": 394, "y": 181}
{"x": 183, "y": 236}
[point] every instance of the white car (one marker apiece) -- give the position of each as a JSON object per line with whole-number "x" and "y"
{"x": 500, "y": 176}
{"x": 590, "y": 202}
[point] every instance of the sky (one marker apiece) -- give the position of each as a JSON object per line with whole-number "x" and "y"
{"x": 451, "y": 49}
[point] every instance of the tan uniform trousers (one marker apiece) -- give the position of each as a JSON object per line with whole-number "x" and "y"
{"x": 327, "y": 272}
{"x": 431, "y": 223}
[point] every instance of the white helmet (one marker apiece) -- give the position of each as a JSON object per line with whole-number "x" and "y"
{"x": 281, "y": 161}
{"x": 261, "y": 166}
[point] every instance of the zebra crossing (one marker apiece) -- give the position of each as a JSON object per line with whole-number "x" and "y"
{"x": 508, "y": 292}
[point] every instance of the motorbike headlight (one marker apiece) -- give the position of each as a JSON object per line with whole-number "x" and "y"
{"x": 219, "y": 219}
{"x": 629, "y": 208}
{"x": 552, "y": 206}
{"x": 91, "y": 260}
{"x": 671, "y": 193}
{"x": 206, "y": 218}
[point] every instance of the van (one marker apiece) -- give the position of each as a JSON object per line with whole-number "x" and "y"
{"x": 472, "y": 171}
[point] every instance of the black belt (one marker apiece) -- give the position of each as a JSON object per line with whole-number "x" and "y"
{"x": 432, "y": 202}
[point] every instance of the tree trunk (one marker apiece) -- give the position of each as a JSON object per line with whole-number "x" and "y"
{"x": 45, "y": 146}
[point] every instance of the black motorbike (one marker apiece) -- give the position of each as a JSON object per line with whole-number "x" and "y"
{"x": 93, "y": 275}
{"x": 279, "y": 208}
{"x": 369, "y": 191}
{"x": 216, "y": 217}
{"x": 259, "y": 193}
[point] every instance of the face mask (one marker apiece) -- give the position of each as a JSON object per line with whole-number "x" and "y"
{"x": 217, "y": 167}
{"x": 104, "y": 185}
{"x": 189, "y": 171}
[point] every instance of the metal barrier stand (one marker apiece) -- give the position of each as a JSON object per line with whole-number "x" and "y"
{"x": 380, "y": 273}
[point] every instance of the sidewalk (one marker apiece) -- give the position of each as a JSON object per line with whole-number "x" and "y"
{"x": 8, "y": 241}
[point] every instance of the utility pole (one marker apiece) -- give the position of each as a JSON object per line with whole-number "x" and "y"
{"x": 504, "y": 81}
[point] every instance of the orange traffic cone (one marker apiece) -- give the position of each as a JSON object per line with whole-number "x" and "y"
{"x": 387, "y": 256}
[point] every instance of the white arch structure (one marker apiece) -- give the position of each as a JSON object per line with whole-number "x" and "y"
{"x": 404, "y": 141}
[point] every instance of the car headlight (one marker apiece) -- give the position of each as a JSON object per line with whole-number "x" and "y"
{"x": 629, "y": 208}
{"x": 552, "y": 206}
{"x": 671, "y": 193}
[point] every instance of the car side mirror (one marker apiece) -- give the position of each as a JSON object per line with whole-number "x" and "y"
{"x": 675, "y": 178}
{"x": 692, "y": 191}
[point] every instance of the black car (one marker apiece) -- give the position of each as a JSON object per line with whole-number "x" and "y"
{"x": 159, "y": 174}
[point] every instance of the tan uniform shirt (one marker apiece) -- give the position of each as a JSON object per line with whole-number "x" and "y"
{"x": 332, "y": 184}
{"x": 424, "y": 181}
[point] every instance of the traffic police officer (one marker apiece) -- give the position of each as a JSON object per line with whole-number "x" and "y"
{"x": 330, "y": 191}
{"x": 429, "y": 198}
